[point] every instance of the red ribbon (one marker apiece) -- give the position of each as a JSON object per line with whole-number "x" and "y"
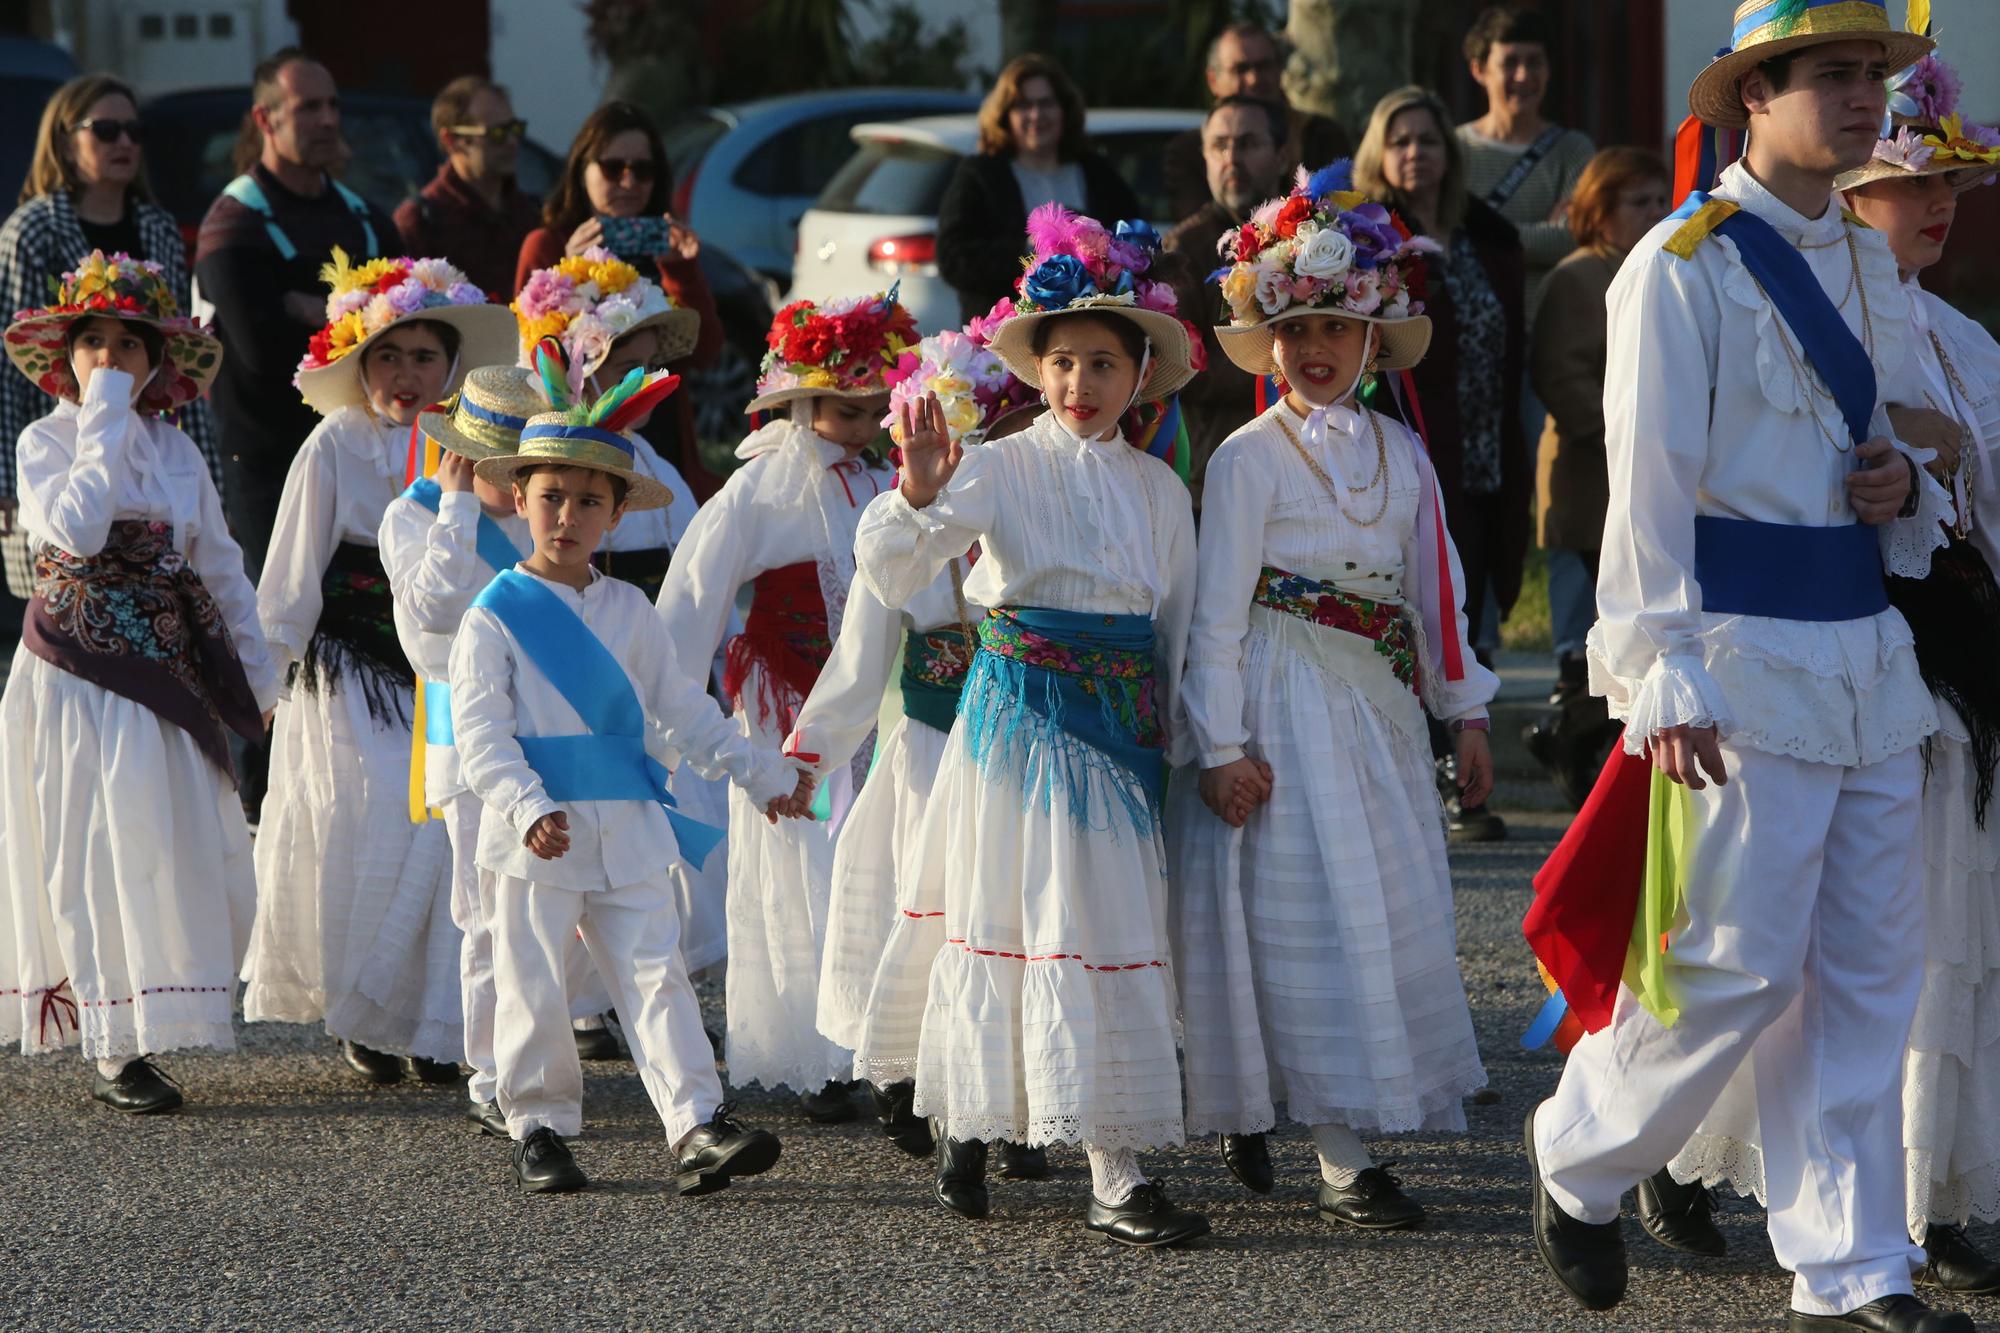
{"x": 53, "y": 1005}
{"x": 1454, "y": 660}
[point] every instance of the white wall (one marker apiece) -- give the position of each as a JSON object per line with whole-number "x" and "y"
{"x": 1968, "y": 32}
{"x": 540, "y": 56}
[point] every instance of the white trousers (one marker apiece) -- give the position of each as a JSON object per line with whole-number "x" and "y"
{"x": 1803, "y": 886}
{"x": 634, "y": 935}
{"x": 472, "y": 913}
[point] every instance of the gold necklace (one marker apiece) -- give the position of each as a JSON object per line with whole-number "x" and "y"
{"x": 1381, "y": 471}
{"x": 1810, "y": 377}
{"x": 1961, "y": 525}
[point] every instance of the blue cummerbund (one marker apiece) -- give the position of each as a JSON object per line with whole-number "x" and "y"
{"x": 1786, "y": 572}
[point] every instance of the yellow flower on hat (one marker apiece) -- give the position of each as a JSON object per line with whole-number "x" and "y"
{"x": 613, "y": 276}
{"x": 818, "y": 379}
{"x": 1957, "y": 144}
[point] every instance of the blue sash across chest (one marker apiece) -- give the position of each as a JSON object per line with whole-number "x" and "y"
{"x": 497, "y": 549}
{"x": 608, "y": 761}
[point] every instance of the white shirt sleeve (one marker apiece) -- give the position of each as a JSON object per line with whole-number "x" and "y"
{"x": 1236, "y": 505}
{"x": 695, "y": 725}
{"x": 1170, "y": 627}
{"x": 69, "y": 496}
{"x": 898, "y": 549}
{"x": 699, "y": 592}
{"x": 432, "y": 560}
{"x": 846, "y": 699}
{"x": 290, "y": 595}
{"x": 483, "y": 664}
{"x": 214, "y": 555}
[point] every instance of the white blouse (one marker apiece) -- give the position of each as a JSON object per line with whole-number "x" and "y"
{"x": 338, "y": 489}
{"x": 435, "y": 569}
{"x": 1976, "y": 357}
{"x": 86, "y": 466}
{"x": 1262, "y": 505}
{"x": 1685, "y": 335}
{"x": 1064, "y": 524}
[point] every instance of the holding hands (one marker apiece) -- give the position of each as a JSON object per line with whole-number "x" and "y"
{"x": 796, "y": 806}
{"x": 930, "y": 455}
{"x": 1235, "y": 789}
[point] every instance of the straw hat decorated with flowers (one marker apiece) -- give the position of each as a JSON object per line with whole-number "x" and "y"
{"x": 1923, "y": 133}
{"x": 843, "y": 349}
{"x": 125, "y": 288}
{"x": 1077, "y": 266}
{"x": 1324, "y": 249}
{"x": 971, "y": 382}
{"x": 586, "y": 431}
{"x": 365, "y": 301}
{"x": 589, "y": 301}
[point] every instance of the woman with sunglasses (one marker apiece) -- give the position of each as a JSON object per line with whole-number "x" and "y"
{"x": 86, "y": 190}
{"x": 618, "y": 168}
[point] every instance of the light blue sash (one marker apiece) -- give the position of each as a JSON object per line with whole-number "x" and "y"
{"x": 610, "y": 762}
{"x": 497, "y": 549}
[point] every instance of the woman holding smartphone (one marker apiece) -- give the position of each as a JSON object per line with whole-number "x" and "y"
{"x": 614, "y": 192}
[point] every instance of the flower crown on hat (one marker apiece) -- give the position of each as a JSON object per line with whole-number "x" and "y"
{"x": 972, "y": 384}
{"x": 120, "y": 287}
{"x": 845, "y": 346}
{"x": 1922, "y": 123}
{"x": 115, "y": 285}
{"x": 588, "y": 301}
{"x": 1325, "y": 247}
{"x": 364, "y": 299}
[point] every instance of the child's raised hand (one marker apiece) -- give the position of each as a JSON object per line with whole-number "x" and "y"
{"x": 549, "y": 838}
{"x": 454, "y": 473}
{"x": 930, "y": 455}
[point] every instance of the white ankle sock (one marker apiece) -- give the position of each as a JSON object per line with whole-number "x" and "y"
{"x": 590, "y": 1024}
{"x": 113, "y": 1068}
{"x": 1341, "y": 1154}
{"x": 1114, "y": 1174}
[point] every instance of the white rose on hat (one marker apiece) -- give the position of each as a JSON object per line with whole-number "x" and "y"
{"x": 1325, "y": 253}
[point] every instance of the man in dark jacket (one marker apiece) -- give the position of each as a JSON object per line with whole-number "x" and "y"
{"x": 1239, "y": 142}
{"x": 257, "y": 260}
{"x": 1245, "y": 60}
{"x": 471, "y": 212}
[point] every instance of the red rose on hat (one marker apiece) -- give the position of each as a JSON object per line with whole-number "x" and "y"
{"x": 1296, "y": 210}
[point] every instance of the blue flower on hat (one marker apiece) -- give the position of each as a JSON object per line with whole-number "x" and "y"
{"x": 1057, "y": 281}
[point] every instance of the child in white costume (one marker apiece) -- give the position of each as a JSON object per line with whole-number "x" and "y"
{"x": 354, "y": 902}
{"x": 1315, "y": 942}
{"x": 1051, "y": 1013}
{"x": 126, "y": 891}
{"x": 566, "y": 692}
{"x": 785, "y": 522}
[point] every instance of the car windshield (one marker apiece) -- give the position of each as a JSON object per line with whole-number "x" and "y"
{"x": 888, "y": 176}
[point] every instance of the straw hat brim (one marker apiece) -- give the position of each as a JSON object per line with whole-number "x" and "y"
{"x": 1966, "y": 174}
{"x": 642, "y": 491}
{"x": 35, "y": 346}
{"x": 1172, "y": 365}
{"x": 1713, "y": 96}
{"x": 680, "y": 329}
{"x": 764, "y": 402}
{"x": 446, "y": 428}
{"x": 487, "y": 336}
{"x": 1403, "y": 341}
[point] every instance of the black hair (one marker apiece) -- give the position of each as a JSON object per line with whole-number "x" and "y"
{"x": 620, "y": 487}
{"x": 155, "y": 341}
{"x": 446, "y": 334}
{"x": 1130, "y": 336}
{"x": 1777, "y": 70}
{"x": 1275, "y": 116}
{"x": 1503, "y": 23}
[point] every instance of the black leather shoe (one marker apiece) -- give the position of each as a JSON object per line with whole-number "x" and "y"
{"x": 139, "y": 1089}
{"x": 1680, "y": 1217}
{"x": 597, "y": 1044}
{"x": 436, "y": 1073}
{"x": 1020, "y": 1162}
{"x": 1890, "y": 1314}
{"x": 831, "y": 1105}
{"x": 1952, "y": 1263}
{"x": 895, "y": 1107}
{"x": 1475, "y": 824}
{"x": 1146, "y": 1219}
{"x": 1248, "y": 1157}
{"x": 1375, "y": 1201}
{"x": 961, "y": 1176}
{"x": 1588, "y": 1258}
{"x": 542, "y": 1165}
{"x": 487, "y": 1116}
{"x": 714, "y": 1153}
{"x": 375, "y": 1066}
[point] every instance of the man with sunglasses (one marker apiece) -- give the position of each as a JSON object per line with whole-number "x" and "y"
{"x": 472, "y": 212}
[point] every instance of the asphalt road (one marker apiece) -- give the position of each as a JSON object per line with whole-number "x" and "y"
{"x": 287, "y": 1195}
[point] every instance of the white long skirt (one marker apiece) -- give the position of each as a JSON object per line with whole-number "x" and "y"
{"x": 880, "y": 942}
{"x": 1316, "y": 947}
{"x": 1951, "y": 1067}
{"x": 780, "y": 876}
{"x": 1049, "y": 1016}
{"x": 353, "y": 900}
{"x": 126, "y": 890}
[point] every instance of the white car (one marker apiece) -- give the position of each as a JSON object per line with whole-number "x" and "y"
{"x": 876, "y": 221}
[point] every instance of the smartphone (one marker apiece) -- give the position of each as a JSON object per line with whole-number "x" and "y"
{"x": 636, "y": 238}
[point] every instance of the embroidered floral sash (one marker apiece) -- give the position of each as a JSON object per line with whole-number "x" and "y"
{"x": 785, "y": 634}
{"x": 935, "y": 662}
{"x": 1323, "y": 604}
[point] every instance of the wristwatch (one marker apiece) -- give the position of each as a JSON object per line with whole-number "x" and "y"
{"x": 1469, "y": 724}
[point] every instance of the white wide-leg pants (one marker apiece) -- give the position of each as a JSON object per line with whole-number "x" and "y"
{"x": 633, "y": 934}
{"x": 1804, "y": 885}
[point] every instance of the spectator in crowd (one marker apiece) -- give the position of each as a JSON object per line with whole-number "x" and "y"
{"x": 1240, "y": 148}
{"x": 1621, "y": 194}
{"x": 1031, "y": 152}
{"x": 257, "y": 259}
{"x": 1515, "y": 161}
{"x": 1246, "y": 60}
{"x": 617, "y": 168}
{"x": 471, "y": 212}
{"x": 86, "y": 190}
{"x": 1469, "y": 384}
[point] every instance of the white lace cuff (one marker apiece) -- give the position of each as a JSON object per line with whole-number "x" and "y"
{"x": 1676, "y": 692}
{"x": 1907, "y": 543}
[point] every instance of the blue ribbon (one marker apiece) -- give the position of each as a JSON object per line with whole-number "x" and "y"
{"x": 610, "y": 763}
{"x": 1547, "y": 1019}
{"x": 437, "y": 713}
